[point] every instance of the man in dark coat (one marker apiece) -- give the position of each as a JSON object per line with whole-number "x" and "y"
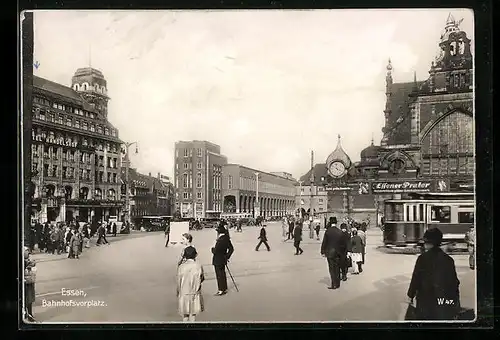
{"x": 263, "y": 239}
{"x": 297, "y": 238}
{"x": 346, "y": 261}
{"x": 290, "y": 229}
{"x": 221, "y": 254}
{"x": 167, "y": 234}
{"x": 334, "y": 248}
{"x": 434, "y": 282}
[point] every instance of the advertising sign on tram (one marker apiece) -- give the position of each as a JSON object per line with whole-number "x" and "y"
{"x": 401, "y": 187}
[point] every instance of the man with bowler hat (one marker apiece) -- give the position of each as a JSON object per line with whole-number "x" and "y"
{"x": 222, "y": 251}
{"x": 434, "y": 282}
{"x": 334, "y": 248}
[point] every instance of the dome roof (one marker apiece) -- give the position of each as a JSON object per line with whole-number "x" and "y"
{"x": 89, "y": 75}
{"x": 370, "y": 152}
{"x": 339, "y": 155}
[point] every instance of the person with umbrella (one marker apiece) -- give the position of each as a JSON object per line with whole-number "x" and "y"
{"x": 222, "y": 252}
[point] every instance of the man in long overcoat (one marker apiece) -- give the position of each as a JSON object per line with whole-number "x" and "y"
{"x": 334, "y": 248}
{"x": 222, "y": 252}
{"x": 434, "y": 282}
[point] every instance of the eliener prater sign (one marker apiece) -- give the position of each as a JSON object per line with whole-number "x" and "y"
{"x": 420, "y": 186}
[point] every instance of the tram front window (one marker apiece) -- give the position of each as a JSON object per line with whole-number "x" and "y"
{"x": 441, "y": 214}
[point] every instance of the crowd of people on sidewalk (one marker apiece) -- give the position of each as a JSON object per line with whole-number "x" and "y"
{"x": 66, "y": 238}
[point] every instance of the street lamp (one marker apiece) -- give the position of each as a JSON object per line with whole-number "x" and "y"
{"x": 257, "y": 203}
{"x": 301, "y": 200}
{"x": 127, "y": 167}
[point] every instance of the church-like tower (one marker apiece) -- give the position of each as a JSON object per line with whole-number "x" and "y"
{"x": 388, "y": 93}
{"x": 452, "y": 70}
{"x": 92, "y": 86}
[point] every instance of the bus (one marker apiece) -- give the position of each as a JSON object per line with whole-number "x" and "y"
{"x": 406, "y": 220}
{"x": 153, "y": 223}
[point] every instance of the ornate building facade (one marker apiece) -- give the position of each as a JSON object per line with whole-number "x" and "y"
{"x": 76, "y": 151}
{"x": 149, "y": 195}
{"x": 428, "y": 143}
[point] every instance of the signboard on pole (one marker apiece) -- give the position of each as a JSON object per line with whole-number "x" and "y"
{"x": 401, "y": 187}
{"x": 176, "y": 231}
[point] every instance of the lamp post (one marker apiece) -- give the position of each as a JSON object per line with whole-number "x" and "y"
{"x": 301, "y": 201}
{"x": 257, "y": 203}
{"x": 127, "y": 167}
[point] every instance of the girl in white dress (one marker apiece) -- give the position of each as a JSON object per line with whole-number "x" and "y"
{"x": 189, "y": 279}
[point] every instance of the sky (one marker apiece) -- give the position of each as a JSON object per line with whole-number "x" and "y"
{"x": 268, "y": 86}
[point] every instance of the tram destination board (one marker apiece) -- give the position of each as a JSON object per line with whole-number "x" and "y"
{"x": 401, "y": 187}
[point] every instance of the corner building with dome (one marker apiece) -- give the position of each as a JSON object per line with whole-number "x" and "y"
{"x": 427, "y": 144}
{"x": 76, "y": 151}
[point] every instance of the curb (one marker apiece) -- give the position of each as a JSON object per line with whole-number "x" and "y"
{"x": 413, "y": 251}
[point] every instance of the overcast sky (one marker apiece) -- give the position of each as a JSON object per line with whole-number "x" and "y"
{"x": 267, "y": 86}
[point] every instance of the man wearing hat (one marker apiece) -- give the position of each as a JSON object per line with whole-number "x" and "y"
{"x": 434, "y": 282}
{"x": 222, "y": 251}
{"x": 334, "y": 248}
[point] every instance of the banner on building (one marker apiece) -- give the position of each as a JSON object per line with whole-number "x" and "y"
{"x": 462, "y": 186}
{"x": 401, "y": 187}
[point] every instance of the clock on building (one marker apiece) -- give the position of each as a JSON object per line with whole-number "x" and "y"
{"x": 337, "y": 169}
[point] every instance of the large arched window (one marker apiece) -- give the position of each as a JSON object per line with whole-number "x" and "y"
{"x": 98, "y": 194}
{"x": 448, "y": 148}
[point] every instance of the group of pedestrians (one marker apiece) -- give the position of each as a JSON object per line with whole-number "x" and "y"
{"x": 65, "y": 238}
{"x": 343, "y": 249}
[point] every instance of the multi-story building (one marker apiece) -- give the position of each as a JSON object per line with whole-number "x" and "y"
{"x": 283, "y": 174}
{"x": 198, "y": 178}
{"x": 149, "y": 195}
{"x": 241, "y": 186}
{"x": 428, "y": 142}
{"x": 76, "y": 152}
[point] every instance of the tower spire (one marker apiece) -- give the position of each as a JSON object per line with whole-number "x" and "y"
{"x": 372, "y": 140}
{"x": 90, "y": 55}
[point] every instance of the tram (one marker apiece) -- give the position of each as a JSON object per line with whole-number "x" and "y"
{"x": 406, "y": 220}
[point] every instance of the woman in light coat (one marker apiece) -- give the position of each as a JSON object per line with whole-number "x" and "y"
{"x": 284, "y": 229}
{"x": 189, "y": 279}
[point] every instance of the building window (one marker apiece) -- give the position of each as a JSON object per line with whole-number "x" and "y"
{"x": 114, "y": 178}
{"x": 199, "y": 166}
{"x": 77, "y": 124}
{"x": 186, "y": 152}
{"x": 99, "y": 129}
{"x": 230, "y": 182}
{"x": 185, "y": 180}
{"x": 85, "y": 125}
{"x": 200, "y": 152}
{"x": 98, "y": 194}
{"x": 320, "y": 200}
{"x": 68, "y": 121}
{"x": 185, "y": 195}
{"x": 186, "y": 166}
{"x": 198, "y": 195}
{"x": 198, "y": 180}
{"x": 92, "y": 127}
{"x": 106, "y": 131}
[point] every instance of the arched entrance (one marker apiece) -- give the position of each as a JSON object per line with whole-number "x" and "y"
{"x": 229, "y": 205}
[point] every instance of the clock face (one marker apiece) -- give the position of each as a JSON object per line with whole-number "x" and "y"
{"x": 337, "y": 169}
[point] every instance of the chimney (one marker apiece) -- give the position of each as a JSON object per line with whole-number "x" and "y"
{"x": 150, "y": 174}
